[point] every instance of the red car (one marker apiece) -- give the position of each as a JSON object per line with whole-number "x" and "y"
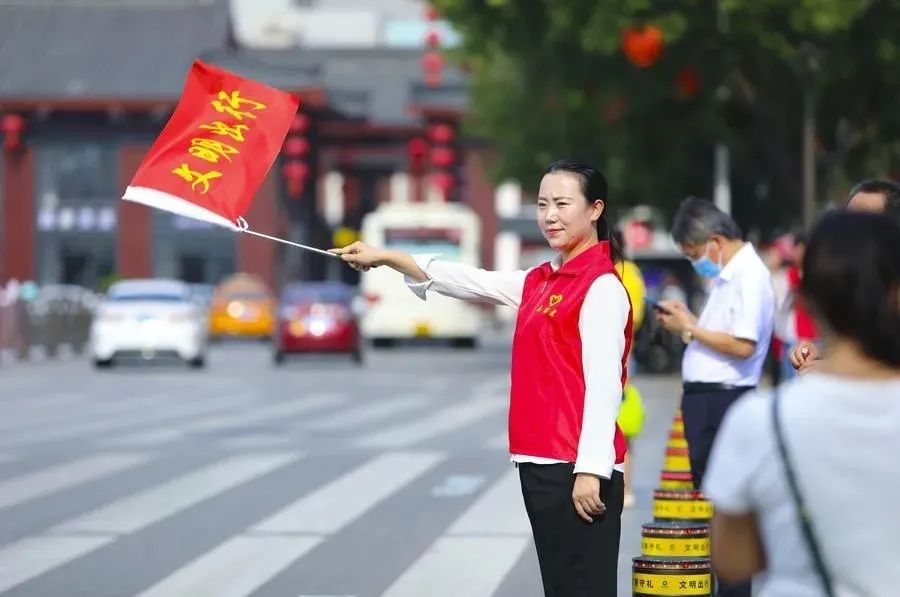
{"x": 317, "y": 317}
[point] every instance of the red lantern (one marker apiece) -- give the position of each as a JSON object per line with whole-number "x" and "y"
{"x": 432, "y": 67}
{"x": 687, "y": 82}
{"x": 432, "y": 62}
{"x": 431, "y": 13}
{"x": 441, "y": 133}
{"x": 416, "y": 149}
{"x": 295, "y": 170}
{"x": 300, "y": 124}
{"x": 444, "y": 181}
{"x": 432, "y": 39}
{"x": 295, "y": 147}
{"x": 642, "y": 46}
{"x": 11, "y": 125}
{"x": 295, "y": 173}
{"x": 443, "y": 157}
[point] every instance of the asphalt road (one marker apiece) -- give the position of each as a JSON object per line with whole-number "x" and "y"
{"x": 318, "y": 478}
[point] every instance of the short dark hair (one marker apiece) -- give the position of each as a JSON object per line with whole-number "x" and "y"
{"x": 856, "y": 293}
{"x": 593, "y": 187}
{"x": 890, "y": 190}
{"x": 698, "y": 219}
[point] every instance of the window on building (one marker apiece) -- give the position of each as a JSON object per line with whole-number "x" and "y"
{"x": 77, "y": 173}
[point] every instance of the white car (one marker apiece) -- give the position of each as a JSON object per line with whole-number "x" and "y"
{"x": 147, "y": 319}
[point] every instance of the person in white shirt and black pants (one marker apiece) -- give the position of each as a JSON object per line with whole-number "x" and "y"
{"x": 572, "y": 338}
{"x": 727, "y": 345}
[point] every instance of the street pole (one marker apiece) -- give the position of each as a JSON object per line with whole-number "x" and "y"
{"x": 721, "y": 179}
{"x": 809, "y": 68}
{"x": 722, "y": 185}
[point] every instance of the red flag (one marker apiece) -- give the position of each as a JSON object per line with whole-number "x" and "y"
{"x": 217, "y": 147}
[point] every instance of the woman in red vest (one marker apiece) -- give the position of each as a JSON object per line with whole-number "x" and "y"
{"x": 572, "y": 336}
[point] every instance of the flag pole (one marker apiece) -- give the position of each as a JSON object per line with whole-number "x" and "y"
{"x": 244, "y": 227}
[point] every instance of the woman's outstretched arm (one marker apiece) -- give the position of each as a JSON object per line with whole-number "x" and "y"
{"x": 424, "y": 272}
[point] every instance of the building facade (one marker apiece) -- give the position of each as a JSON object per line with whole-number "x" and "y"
{"x": 88, "y": 86}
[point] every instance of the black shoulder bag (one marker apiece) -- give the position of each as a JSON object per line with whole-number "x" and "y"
{"x": 809, "y": 535}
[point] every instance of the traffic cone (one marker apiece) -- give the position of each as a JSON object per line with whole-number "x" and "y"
{"x": 674, "y": 558}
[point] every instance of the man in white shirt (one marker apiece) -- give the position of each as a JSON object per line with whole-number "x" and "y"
{"x": 727, "y": 344}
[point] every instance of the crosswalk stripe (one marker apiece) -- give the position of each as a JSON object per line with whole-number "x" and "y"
{"x": 39, "y": 402}
{"x": 460, "y": 567}
{"x": 117, "y": 424}
{"x": 499, "y": 511}
{"x": 365, "y": 415}
{"x": 256, "y": 416}
{"x": 235, "y": 568}
{"x": 33, "y": 556}
{"x": 86, "y": 411}
{"x": 439, "y": 422}
{"x": 327, "y": 509}
{"x": 140, "y": 510}
{"x": 21, "y": 489}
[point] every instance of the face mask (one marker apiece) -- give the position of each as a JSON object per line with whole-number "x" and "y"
{"x": 706, "y": 267}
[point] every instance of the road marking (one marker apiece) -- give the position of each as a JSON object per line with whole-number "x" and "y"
{"x": 499, "y": 511}
{"x": 140, "y": 510}
{"x": 121, "y": 424}
{"x": 327, "y": 509}
{"x": 458, "y": 485}
{"x": 364, "y": 415}
{"x": 25, "y": 559}
{"x": 439, "y": 422}
{"x": 235, "y": 568}
{"x": 257, "y": 415}
{"x": 460, "y": 567}
{"x": 63, "y": 476}
{"x": 89, "y": 410}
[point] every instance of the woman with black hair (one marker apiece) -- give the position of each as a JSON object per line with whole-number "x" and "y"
{"x": 804, "y": 479}
{"x": 572, "y": 336}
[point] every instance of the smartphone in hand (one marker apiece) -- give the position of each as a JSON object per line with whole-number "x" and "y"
{"x": 658, "y": 308}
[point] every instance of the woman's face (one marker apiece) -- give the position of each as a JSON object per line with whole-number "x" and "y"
{"x": 565, "y": 218}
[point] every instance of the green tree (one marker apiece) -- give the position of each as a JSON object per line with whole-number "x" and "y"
{"x": 550, "y": 78}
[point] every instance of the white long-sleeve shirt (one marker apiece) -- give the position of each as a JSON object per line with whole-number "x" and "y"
{"x": 604, "y": 314}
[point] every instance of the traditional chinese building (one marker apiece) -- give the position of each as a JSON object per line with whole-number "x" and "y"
{"x": 87, "y": 87}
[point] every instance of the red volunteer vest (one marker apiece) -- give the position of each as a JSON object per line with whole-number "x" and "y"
{"x": 547, "y": 397}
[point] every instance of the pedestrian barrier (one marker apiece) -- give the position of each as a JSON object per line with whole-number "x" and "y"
{"x": 676, "y": 440}
{"x": 675, "y": 539}
{"x": 46, "y": 318}
{"x": 680, "y": 504}
{"x": 677, "y": 460}
{"x": 676, "y": 480}
{"x": 664, "y": 577}
{"x": 674, "y": 558}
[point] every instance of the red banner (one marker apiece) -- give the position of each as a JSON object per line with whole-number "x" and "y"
{"x": 217, "y": 147}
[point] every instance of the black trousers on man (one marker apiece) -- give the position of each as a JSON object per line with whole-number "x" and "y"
{"x": 577, "y": 558}
{"x": 703, "y": 406}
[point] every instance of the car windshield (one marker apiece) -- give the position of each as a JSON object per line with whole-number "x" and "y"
{"x": 246, "y": 296}
{"x": 149, "y": 297}
{"x": 312, "y": 294}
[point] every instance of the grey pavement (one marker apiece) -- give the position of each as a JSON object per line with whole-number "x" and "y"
{"x": 319, "y": 478}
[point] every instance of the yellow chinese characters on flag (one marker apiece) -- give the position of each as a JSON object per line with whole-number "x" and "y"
{"x": 217, "y": 147}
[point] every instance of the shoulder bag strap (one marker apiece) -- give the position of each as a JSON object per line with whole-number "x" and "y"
{"x": 809, "y": 535}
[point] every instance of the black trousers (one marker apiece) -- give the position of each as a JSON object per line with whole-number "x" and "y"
{"x": 577, "y": 558}
{"x": 702, "y": 410}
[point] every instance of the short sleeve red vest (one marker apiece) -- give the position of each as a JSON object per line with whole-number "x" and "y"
{"x": 547, "y": 396}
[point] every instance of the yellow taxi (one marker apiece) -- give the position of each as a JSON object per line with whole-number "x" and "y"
{"x": 242, "y": 306}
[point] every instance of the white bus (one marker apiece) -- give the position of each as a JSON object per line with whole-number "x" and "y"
{"x": 450, "y": 230}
